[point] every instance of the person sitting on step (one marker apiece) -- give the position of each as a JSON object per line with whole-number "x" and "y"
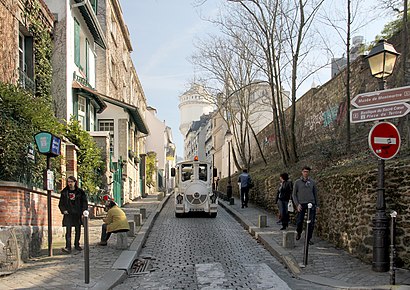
{"x": 115, "y": 222}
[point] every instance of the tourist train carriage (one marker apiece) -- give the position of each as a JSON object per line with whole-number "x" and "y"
{"x": 193, "y": 191}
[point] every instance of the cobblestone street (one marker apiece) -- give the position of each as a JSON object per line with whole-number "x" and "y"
{"x": 205, "y": 253}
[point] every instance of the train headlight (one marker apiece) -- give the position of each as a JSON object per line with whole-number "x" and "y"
{"x": 179, "y": 199}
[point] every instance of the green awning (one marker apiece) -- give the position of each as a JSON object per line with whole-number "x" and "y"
{"x": 133, "y": 111}
{"x": 92, "y": 22}
{"x": 91, "y": 94}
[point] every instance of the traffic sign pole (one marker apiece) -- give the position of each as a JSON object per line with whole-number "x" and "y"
{"x": 384, "y": 141}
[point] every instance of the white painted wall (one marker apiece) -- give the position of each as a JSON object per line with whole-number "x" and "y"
{"x": 115, "y": 113}
{"x": 156, "y": 141}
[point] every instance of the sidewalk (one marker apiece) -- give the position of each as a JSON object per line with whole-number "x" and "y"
{"x": 326, "y": 265}
{"x": 108, "y": 265}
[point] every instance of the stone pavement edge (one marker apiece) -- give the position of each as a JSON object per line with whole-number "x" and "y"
{"x": 326, "y": 265}
{"x": 109, "y": 266}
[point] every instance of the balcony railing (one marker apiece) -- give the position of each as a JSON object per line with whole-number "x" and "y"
{"x": 82, "y": 80}
{"x": 26, "y": 82}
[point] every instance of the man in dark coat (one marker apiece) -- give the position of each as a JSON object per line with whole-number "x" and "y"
{"x": 73, "y": 202}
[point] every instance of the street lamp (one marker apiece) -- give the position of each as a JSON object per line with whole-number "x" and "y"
{"x": 228, "y": 138}
{"x": 212, "y": 152}
{"x": 382, "y": 59}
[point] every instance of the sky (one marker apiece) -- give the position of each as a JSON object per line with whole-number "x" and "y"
{"x": 163, "y": 33}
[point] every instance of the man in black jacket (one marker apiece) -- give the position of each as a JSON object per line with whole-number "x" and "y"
{"x": 305, "y": 192}
{"x": 73, "y": 201}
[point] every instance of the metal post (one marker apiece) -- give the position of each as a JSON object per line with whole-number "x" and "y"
{"x": 306, "y": 247}
{"x": 86, "y": 249}
{"x": 380, "y": 220}
{"x": 213, "y": 177}
{"x": 229, "y": 186}
{"x": 380, "y": 226}
{"x": 49, "y": 212}
{"x": 393, "y": 215}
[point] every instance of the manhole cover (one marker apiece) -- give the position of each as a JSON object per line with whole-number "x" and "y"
{"x": 141, "y": 266}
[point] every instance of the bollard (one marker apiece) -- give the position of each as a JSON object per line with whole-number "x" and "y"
{"x": 231, "y": 201}
{"x": 288, "y": 239}
{"x": 306, "y": 248}
{"x": 262, "y": 221}
{"x": 138, "y": 219}
{"x": 160, "y": 196}
{"x": 393, "y": 215}
{"x": 131, "y": 232}
{"x": 143, "y": 213}
{"x": 122, "y": 241}
{"x": 86, "y": 249}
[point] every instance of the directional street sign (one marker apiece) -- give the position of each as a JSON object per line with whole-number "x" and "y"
{"x": 401, "y": 94}
{"x": 387, "y": 111}
{"x": 384, "y": 140}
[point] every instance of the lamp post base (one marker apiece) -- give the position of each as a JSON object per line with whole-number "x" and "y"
{"x": 380, "y": 242}
{"x": 229, "y": 191}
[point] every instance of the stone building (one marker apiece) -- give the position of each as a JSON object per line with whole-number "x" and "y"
{"x": 124, "y": 118}
{"x": 23, "y": 209}
{"x": 162, "y": 144}
{"x": 192, "y": 105}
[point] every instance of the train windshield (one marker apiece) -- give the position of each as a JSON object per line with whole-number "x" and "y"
{"x": 186, "y": 171}
{"x": 203, "y": 174}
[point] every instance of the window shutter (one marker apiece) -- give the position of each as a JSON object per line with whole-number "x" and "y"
{"x": 76, "y": 42}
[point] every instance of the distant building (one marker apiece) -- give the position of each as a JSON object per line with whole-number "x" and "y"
{"x": 162, "y": 144}
{"x": 192, "y": 105}
{"x": 196, "y": 137}
{"x": 338, "y": 64}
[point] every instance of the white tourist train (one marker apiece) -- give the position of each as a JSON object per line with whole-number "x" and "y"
{"x": 193, "y": 191}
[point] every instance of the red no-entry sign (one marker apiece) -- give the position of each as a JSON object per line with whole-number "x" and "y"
{"x": 384, "y": 140}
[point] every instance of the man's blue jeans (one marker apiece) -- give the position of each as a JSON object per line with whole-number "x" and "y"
{"x": 301, "y": 217}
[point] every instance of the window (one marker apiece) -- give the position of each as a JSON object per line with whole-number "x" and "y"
{"x": 90, "y": 65}
{"x": 203, "y": 172}
{"x": 82, "y": 112}
{"x": 25, "y": 62}
{"x": 113, "y": 29}
{"x": 108, "y": 125}
{"x": 186, "y": 172}
{"x": 92, "y": 118}
{"x": 94, "y": 5}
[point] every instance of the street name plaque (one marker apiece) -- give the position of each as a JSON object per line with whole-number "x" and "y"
{"x": 401, "y": 94}
{"x": 387, "y": 111}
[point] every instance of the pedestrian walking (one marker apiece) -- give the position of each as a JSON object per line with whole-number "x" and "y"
{"x": 305, "y": 192}
{"x": 282, "y": 198}
{"x": 116, "y": 221}
{"x": 73, "y": 202}
{"x": 245, "y": 181}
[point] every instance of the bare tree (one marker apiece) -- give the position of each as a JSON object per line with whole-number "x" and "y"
{"x": 224, "y": 63}
{"x": 280, "y": 31}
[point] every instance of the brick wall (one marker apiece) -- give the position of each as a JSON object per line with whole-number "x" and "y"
{"x": 26, "y": 207}
{"x": 25, "y": 210}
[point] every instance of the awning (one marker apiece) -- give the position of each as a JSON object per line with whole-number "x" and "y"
{"x": 89, "y": 92}
{"x": 133, "y": 111}
{"x": 92, "y": 22}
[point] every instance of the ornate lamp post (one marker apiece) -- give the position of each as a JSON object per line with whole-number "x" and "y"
{"x": 382, "y": 59}
{"x": 228, "y": 138}
{"x": 212, "y": 152}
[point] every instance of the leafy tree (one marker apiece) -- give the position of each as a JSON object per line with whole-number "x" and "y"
{"x": 151, "y": 167}
{"x": 22, "y": 115}
{"x": 90, "y": 162}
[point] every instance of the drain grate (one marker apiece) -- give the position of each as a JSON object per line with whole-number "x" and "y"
{"x": 141, "y": 266}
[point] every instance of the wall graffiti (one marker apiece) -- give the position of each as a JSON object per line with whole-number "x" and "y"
{"x": 327, "y": 118}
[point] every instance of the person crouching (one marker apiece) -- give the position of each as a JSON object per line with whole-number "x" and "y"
{"x": 115, "y": 222}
